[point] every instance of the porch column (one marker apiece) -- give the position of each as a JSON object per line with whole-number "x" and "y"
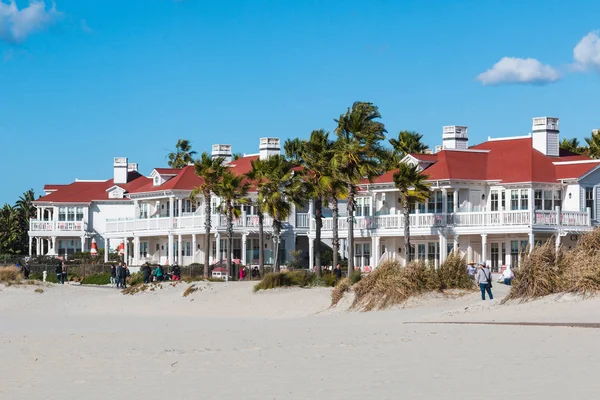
{"x": 171, "y": 213}
{"x": 136, "y": 250}
{"x": 180, "y": 203}
{"x": 444, "y": 202}
{"x": 106, "y": 249}
{"x": 311, "y": 215}
{"x": 54, "y": 244}
{"x": 244, "y": 247}
{"x": 194, "y": 245}
{"x": 456, "y": 244}
{"x": 557, "y": 242}
{"x": 531, "y": 241}
{"x": 484, "y": 248}
{"x": 30, "y": 246}
{"x": 39, "y": 213}
{"x": 83, "y": 243}
{"x": 374, "y": 252}
{"x": 125, "y": 250}
{"x": 179, "y": 248}
{"x": 443, "y": 248}
{"x": 170, "y": 249}
{"x": 37, "y": 246}
{"x": 508, "y": 259}
{"x": 455, "y": 198}
{"x": 218, "y": 249}
{"x": 311, "y": 254}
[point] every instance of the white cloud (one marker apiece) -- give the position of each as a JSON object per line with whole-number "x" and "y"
{"x": 587, "y": 53}
{"x": 519, "y": 71}
{"x": 16, "y": 25}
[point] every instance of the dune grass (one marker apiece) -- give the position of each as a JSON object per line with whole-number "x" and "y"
{"x": 299, "y": 278}
{"x": 10, "y": 275}
{"x": 391, "y": 284}
{"x": 97, "y": 279}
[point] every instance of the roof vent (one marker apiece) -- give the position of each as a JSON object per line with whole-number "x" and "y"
{"x": 222, "y": 150}
{"x": 133, "y": 167}
{"x": 455, "y": 137}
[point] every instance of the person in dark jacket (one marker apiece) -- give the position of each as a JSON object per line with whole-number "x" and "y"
{"x": 58, "y": 271}
{"x": 26, "y": 270}
{"x": 113, "y": 275}
{"x": 146, "y": 272}
{"x": 126, "y": 274}
{"x": 337, "y": 272}
{"x": 120, "y": 274}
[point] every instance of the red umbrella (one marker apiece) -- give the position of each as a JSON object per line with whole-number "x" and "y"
{"x": 121, "y": 249}
{"x": 94, "y": 249}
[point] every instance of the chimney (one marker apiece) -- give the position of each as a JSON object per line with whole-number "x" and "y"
{"x": 133, "y": 167}
{"x": 545, "y": 134}
{"x": 455, "y": 137}
{"x": 222, "y": 150}
{"x": 120, "y": 170}
{"x": 269, "y": 147}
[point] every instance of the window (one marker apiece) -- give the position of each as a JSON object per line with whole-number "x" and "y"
{"x": 363, "y": 207}
{"x": 187, "y": 249}
{"x": 144, "y": 210}
{"x": 421, "y": 207}
{"x": 62, "y": 214}
{"x": 434, "y": 204}
{"x": 494, "y": 200}
{"x": 589, "y": 199}
{"x": 362, "y": 254}
{"x": 143, "y": 249}
{"x": 557, "y": 199}
{"x": 547, "y": 199}
{"x": 421, "y": 251}
{"x": 411, "y": 255}
{"x": 514, "y": 253}
{"x": 433, "y": 249}
{"x": 438, "y": 202}
{"x": 71, "y": 214}
{"x": 524, "y": 199}
{"x": 156, "y": 180}
{"x": 168, "y": 207}
{"x": 450, "y": 201}
{"x": 538, "y": 200}
{"x": 495, "y": 255}
{"x": 214, "y": 205}
{"x": 503, "y": 200}
{"x": 514, "y": 199}
{"x": 412, "y": 207}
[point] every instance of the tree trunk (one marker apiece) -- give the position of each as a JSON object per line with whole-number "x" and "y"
{"x": 319, "y": 225}
{"x": 336, "y": 240}
{"x": 207, "y": 227}
{"x": 406, "y": 211}
{"x": 261, "y": 242}
{"x": 350, "y": 230}
{"x": 229, "y": 236}
{"x": 276, "y": 233}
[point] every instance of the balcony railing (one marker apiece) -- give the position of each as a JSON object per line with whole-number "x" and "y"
{"x": 56, "y": 226}
{"x": 302, "y": 220}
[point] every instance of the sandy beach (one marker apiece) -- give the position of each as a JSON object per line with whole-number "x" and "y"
{"x": 226, "y": 342}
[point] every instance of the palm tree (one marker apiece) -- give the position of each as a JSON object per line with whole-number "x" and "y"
{"x": 357, "y": 156}
{"x": 232, "y": 189}
{"x": 594, "y": 144}
{"x": 411, "y": 184}
{"x": 408, "y": 142}
{"x": 293, "y": 149}
{"x": 572, "y": 145}
{"x": 337, "y": 191}
{"x": 26, "y": 210}
{"x": 279, "y": 186}
{"x": 183, "y": 155}
{"x": 10, "y": 231}
{"x": 210, "y": 171}
{"x": 258, "y": 174}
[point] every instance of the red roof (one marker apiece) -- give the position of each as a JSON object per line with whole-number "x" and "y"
{"x": 507, "y": 161}
{"x": 86, "y": 192}
{"x": 49, "y": 188}
{"x": 167, "y": 171}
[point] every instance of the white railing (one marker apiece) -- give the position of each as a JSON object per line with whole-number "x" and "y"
{"x": 302, "y": 220}
{"x": 574, "y": 218}
{"x": 56, "y": 226}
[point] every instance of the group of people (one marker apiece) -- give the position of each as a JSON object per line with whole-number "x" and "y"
{"x": 61, "y": 272}
{"x": 483, "y": 277}
{"x": 119, "y": 274}
{"x": 254, "y": 273}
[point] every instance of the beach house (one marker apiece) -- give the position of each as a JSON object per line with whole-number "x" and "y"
{"x": 488, "y": 201}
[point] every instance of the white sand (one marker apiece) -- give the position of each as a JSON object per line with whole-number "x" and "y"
{"x": 225, "y": 342}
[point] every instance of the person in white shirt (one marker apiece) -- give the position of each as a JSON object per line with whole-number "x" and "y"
{"x": 508, "y": 275}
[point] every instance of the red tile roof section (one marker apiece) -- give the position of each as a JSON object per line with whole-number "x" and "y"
{"x": 168, "y": 171}
{"x": 86, "y": 192}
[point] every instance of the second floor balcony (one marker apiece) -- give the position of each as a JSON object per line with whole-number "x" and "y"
{"x": 56, "y": 227}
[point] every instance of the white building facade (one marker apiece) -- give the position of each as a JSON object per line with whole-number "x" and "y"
{"x": 489, "y": 202}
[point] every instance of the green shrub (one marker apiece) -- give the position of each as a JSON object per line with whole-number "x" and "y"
{"x": 97, "y": 279}
{"x": 326, "y": 280}
{"x": 274, "y": 280}
{"x": 355, "y": 277}
{"x": 136, "y": 279}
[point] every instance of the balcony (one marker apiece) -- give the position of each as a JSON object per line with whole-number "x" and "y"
{"x": 466, "y": 219}
{"x": 50, "y": 227}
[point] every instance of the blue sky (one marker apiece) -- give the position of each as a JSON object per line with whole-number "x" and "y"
{"x": 84, "y": 81}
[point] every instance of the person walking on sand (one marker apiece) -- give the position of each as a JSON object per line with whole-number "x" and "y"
{"x": 126, "y": 273}
{"x": 146, "y": 272}
{"x": 338, "y": 273}
{"x": 64, "y": 273}
{"x": 26, "y": 270}
{"x": 119, "y": 274}
{"x": 113, "y": 275}
{"x": 484, "y": 279}
{"x": 58, "y": 271}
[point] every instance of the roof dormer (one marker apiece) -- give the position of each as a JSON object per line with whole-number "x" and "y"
{"x": 161, "y": 175}
{"x": 116, "y": 192}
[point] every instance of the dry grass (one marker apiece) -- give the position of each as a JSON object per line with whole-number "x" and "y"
{"x": 39, "y": 290}
{"x": 582, "y": 266}
{"x": 541, "y": 273}
{"x": 339, "y": 290}
{"x": 10, "y": 275}
{"x": 191, "y": 289}
{"x": 131, "y": 290}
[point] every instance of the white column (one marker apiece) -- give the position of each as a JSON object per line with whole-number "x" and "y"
{"x": 125, "y": 250}
{"x": 444, "y": 202}
{"x": 30, "y": 246}
{"x": 217, "y": 256}
{"x": 171, "y": 215}
{"x": 106, "y": 249}
{"x": 83, "y": 243}
{"x": 194, "y": 245}
{"x": 311, "y": 254}
{"x": 455, "y": 197}
{"x": 507, "y": 260}
{"x": 531, "y": 241}
{"x": 54, "y": 244}
{"x": 443, "y": 248}
{"x": 180, "y": 203}
{"x": 171, "y": 257}
{"x": 456, "y": 244}
{"x": 244, "y": 248}
{"x": 373, "y": 252}
{"x": 179, "y": 248}
{"x": 311, "y": 215}
{"x": 136, "y": 250}
{"x": 39, "y": 213}
{"x": 484, "y": 248}
{"x": 37, "y": 246}
{"x": 557, "y": 243}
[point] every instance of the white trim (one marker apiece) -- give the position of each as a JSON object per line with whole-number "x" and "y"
{"x": 589, "y": 172}
{"x": 110, "y": 189}
{"x": 491, "y": 139}
{"x": 90, "y": 180}
{"x": 590, "y": 161}
{"x": 466, "y": 150}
